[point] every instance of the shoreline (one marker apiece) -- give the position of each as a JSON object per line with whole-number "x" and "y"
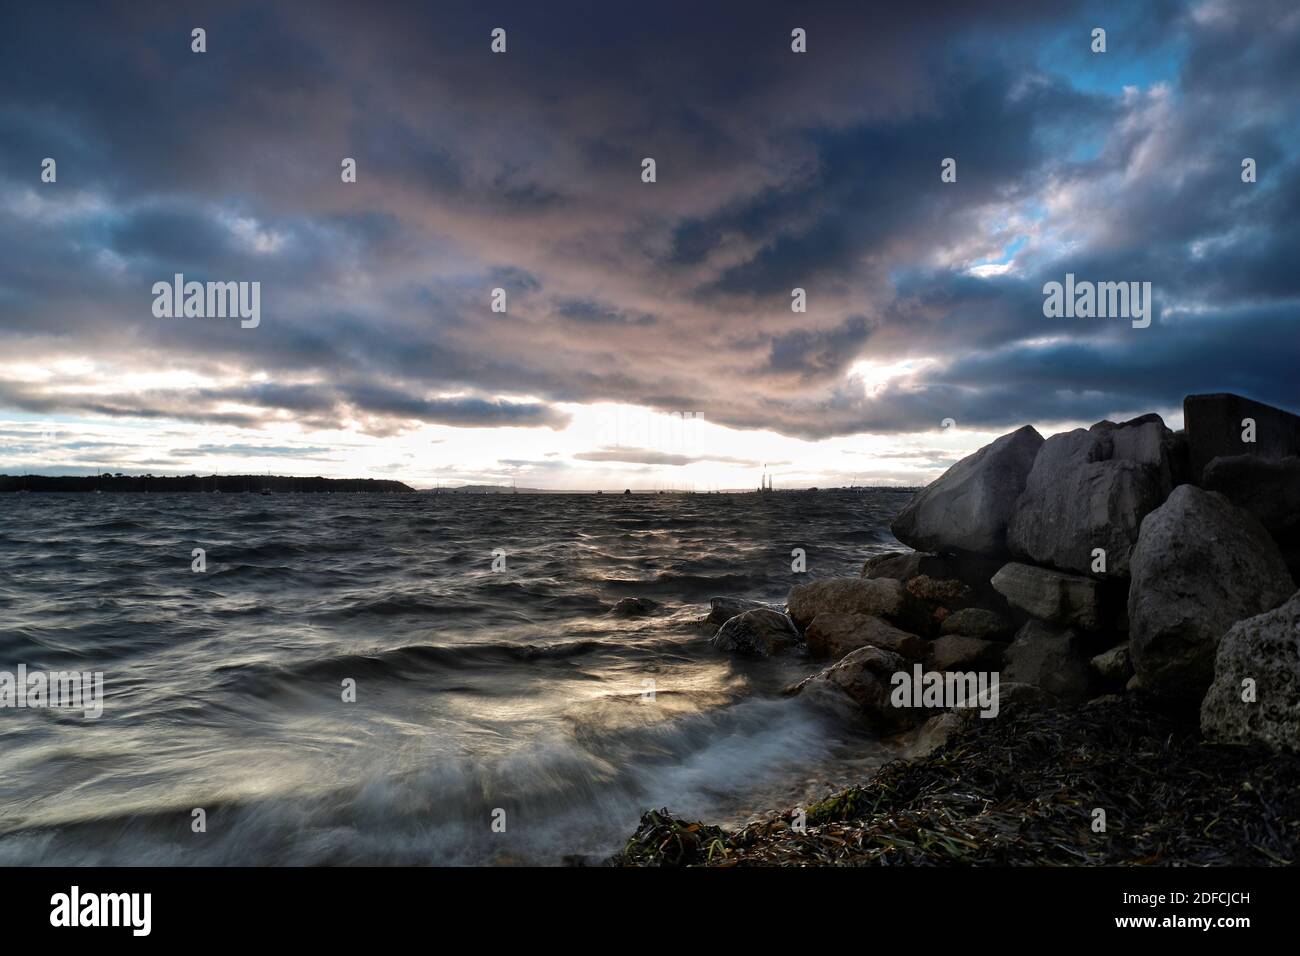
{"x": 1024, "y": 792}
{"x": 1105, "y": 625}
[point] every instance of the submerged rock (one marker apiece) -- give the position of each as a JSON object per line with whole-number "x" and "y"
{"x": 1091, "y": 489}
{"x": 1200, "y": 566}
{"x": 761, "y": 632}
{"x": 634, "y": 607}
{"x": 834, "y": 635}
{"x": 1264, "y": 650}
{"x": 966, "y": 509}
{"x": 1066, "y": 599}
{"x": 1049, "y": 658}
{"x": 879, "y": 597}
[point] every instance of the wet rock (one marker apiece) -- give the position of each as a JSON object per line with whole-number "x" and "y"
{"x": 978, "y": 622}
{"x": 879, "y": 597}
{"x": 958, "y": 653}
{"x": 834, "y": 635}
{"x": 863, "y": 679}
{"x": 1049, "y": 658}
{"x": 1214, "y": 429}
{"x": 1264, "y": 649}
{"x": 1066, "y": 599}
{"x": 1200, "y": 566}
{"x": 966, "y": 509}
{"x": 723, "y": 609}
{"x": 1091, "y": 489}
{"x": 758, "y": 633}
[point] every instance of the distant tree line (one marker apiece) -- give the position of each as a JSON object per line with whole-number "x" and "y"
{"x": 226, "y": 484}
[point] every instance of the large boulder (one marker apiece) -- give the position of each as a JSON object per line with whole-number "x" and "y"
{"x": 879, "y": 597}
{"x": 834, "y": 635}
{"x": 967, "y": 507}
{"x": 1214, "y": 429}
{"x": 1266, "y": 650}
{"x": 1200, "y": 566}
{"x": 1067, "y": 599}
{"x": 1049, "y": 658}
{"x": 761, "y": 632}
{"x": 863, "y": 680}
{"x": 1091, "y": 489}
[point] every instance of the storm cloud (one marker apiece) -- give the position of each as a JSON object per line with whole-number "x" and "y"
{"x": 522, "y": 172}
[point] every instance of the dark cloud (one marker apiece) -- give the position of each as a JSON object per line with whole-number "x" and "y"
{"x": 775, "y": 170}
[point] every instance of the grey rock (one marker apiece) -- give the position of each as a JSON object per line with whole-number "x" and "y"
{"x": 879, "y": 597}
{"x": 758, "y": 633}
{"x": 1265, "y": 649}
{"x": 958, "y": 653}
{"x": 1049, "y": 658}
{"x": 1066, "y": 599}
{"x": 1091, "y": 489}
{"x": 1214, "y": 430}
{"x": 834, "y": 635}
{"x": 978, "y": 622}
{"x": 966, "y": 509}
{"x": 1200, "y": 566}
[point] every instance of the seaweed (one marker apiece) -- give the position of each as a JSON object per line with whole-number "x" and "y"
{"x": 1023, "y": 789}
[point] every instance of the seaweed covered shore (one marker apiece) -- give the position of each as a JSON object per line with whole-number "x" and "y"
{"x": 1025, "y": 790}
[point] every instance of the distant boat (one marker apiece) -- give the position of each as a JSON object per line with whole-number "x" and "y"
{"x": 627, "y": 491}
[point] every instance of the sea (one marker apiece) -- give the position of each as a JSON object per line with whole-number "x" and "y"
{"x": 409, "y": 679}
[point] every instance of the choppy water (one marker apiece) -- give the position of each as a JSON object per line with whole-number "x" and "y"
{"x": 476, "y": 690}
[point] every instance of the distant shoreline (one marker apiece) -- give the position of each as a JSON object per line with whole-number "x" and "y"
{"x": 281, "y": 484}
{"x": 197, "y": 484}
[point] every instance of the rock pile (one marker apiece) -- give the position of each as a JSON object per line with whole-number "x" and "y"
{"x": 1125, "y": 556}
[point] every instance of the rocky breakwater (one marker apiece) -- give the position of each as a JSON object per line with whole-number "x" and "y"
{"x": 1122, "y": 558}
{"x": 1137, "y": 559}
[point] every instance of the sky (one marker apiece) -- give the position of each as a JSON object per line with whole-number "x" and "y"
{"x": 648, "y": 339}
